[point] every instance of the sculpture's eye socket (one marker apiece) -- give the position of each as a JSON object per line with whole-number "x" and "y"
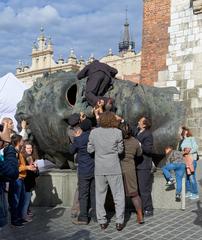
{"x": 71, "y": 95}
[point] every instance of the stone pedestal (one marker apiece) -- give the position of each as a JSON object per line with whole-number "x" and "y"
{"x": 55, "y": 187}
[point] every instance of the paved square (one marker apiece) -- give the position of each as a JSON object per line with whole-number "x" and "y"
{"x": 55, "y": 223}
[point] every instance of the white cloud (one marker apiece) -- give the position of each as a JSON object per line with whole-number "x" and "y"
{"x": 87, "y": 26}
{"x": 28, "y": 17}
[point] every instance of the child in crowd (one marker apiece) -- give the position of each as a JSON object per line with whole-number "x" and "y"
{"x": 86, "y": 180}
{"x": 175, "y": 162}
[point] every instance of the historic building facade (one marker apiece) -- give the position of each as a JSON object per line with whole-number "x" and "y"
{"x": 172, "y": 53}
{"x": 127, "y": 62}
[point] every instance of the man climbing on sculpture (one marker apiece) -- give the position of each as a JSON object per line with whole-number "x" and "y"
{"x": 99, "y": 81}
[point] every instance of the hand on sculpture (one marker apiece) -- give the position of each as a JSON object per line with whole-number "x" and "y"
{"x": 120, "y": 119}
{"x": 82, "y": 116}
{"x": 97, "y": 111}
{"x": 100, "y": 103}
{"x": 24, "y": 124}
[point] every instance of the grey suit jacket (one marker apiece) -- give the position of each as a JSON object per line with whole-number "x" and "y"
{"x": 107, "y": 143}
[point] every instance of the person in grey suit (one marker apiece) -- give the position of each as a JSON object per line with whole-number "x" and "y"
{"x": 107, "y": 143}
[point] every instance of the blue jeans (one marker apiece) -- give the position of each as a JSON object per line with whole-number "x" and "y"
{"x": 26, "y": 204}
{"x": 3, "y": 205}
{"x": 179, "y": 169}
{"x": 16, "y": 199}
{"x": 191, "y": 183}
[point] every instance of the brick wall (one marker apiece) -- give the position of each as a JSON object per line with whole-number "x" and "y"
{"x": 155, "y": 39}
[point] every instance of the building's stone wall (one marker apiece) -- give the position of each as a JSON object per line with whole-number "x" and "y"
{"x": 197, "y": 6}
{"x": 184, "y": 61}
{"x": 155, "y": 39}
{"x": 128, "y": 65}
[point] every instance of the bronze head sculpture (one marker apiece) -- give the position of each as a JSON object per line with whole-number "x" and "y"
{"x": 53, "y": 98}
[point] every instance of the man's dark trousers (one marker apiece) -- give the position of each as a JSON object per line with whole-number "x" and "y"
{"x": 86, "y": 197}
{"x": 145, "y": 179}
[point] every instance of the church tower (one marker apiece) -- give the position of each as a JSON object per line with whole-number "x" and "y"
{"x": 126, "y": 44}
{"x": 42, "y": 53}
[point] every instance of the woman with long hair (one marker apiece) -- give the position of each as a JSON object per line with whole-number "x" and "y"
{"x": 30, "y": 155}
{"x": 188, "y": 141}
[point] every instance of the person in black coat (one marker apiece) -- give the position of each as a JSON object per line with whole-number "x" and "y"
{"x": 8, "y": 171}
{"x": 144, "y": 164}
{"x": 99, "y": 80}
{"x": 86, "y": 180}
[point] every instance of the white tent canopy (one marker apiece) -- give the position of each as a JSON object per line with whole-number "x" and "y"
{"x": 11, "y": 92}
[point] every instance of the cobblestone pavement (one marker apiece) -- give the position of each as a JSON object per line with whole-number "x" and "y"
{"x": 55, "y": 223}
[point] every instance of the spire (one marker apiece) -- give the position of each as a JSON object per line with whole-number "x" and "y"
{"x": 110, "y": 53}
{"x": 81, "y": 61}
{"x": 72, "y": 59}
{"x": 41, "y": 40}
{"x": 126, "y": 44}
{"x": 49, "y": 44}
{"x": 126, "y": 36}
{"x": 60, "y": 60}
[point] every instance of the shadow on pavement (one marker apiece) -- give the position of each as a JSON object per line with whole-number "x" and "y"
{"x": 200, "y": 182}
{"x": 46, "y": 193}
{"x": 82, "y": 234}
{"x": 198, "y": 220}
{"x": 37, "y": 230}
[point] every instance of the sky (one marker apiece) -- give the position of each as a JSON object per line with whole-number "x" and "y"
{"x": 87, "y": 26}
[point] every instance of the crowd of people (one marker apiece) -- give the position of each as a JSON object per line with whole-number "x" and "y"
{"x": 108, "y": 152}
{"x": 18, "y": 171}
{"x": 114, "y": 154}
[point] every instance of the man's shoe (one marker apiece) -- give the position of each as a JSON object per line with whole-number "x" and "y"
{"x": 103, "y": 226}
{"x": 77, "y": 222}
{"x": 178, "y": 197}
{"x": 119, "y": 226}
{"x": 17, "y": 224}
{"x": 148, "y": 213}
{"x": 26, "y": 220}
